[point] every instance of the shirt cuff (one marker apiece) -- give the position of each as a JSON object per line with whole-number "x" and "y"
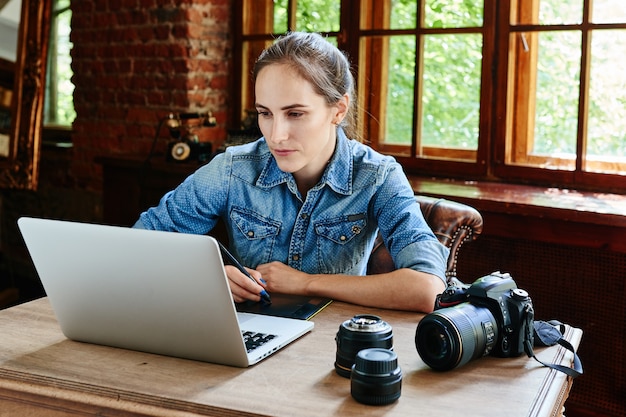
{"x": 425, "y": 256}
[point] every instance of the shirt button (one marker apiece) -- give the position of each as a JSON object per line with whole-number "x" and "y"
{"x": 304, "y": 216}
{"x": 250, "y": 233}
{"x": 356, "y": 230}
{"x": 295, "y": 257}
{"x": 342, "y": 238}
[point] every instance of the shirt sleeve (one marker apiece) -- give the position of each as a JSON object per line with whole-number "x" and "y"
{"x": 409, "y": 239}
{"x": 425, "y": 256}
{"x": 195, "y": 205}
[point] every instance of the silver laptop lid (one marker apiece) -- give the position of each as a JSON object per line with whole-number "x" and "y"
{"x": 152, "y": 291}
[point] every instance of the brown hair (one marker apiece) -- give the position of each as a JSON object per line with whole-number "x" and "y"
{"x": 320, "y": 63}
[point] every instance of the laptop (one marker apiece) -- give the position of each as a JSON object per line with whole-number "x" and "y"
{"x": 158, "y": 292}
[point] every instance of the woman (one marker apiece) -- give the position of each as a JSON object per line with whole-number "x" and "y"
{"x": 303, "y": 204}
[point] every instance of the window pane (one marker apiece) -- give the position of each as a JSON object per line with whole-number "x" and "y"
{"x": 550, "y": 12}
{"x": 59, "y": 99}
{"x": 280, "y": 15}
{"x": 451, "y": 91}
{"x": 560, "y": 12}
{"x": 608, "y": 11}
{"x": 403, "y": 14}
{"x": 401, "y": 84}
{"x": 453, "y": 13}
{"x": 606, "y": 135}
{"x": 558, "y": 79}
{"x": 318, "y": 15}
{"x": 311, "y": 15}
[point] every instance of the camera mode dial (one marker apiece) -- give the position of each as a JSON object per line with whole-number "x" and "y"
{"x": 519, "y": 294}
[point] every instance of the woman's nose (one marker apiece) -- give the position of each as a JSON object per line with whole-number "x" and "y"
{"x": 279, "y": 130}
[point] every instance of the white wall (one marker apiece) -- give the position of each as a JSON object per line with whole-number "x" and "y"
{"x": 9, "y": 22}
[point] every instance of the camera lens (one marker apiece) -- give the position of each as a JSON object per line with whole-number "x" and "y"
{"x": 376, "y": 378}
{"x": 360, "y": 332}
{"x": 451, "y": 337}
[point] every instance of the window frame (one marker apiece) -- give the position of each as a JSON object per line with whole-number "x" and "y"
{"x": 491, "y": 160}
{"x": 504, "y": 164}
{"x": 426, "y": 164}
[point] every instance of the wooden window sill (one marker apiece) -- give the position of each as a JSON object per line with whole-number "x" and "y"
{"x": 562, "y": 216}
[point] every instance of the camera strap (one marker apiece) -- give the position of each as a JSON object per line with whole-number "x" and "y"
{"x": 550, "y": 333}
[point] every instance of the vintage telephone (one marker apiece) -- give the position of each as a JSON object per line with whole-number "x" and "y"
{"x": 186, "y": 145}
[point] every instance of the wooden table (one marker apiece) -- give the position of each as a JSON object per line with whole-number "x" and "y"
{"x": 44, "y": 374}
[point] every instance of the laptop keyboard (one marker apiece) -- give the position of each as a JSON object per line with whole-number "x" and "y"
{"x": 253, "y": 339}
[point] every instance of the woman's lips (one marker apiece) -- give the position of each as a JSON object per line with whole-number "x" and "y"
{"x": 283, "y": 152}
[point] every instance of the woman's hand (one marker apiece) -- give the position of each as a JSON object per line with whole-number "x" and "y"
{"x": 284, "y": 279}
{"x": 242, "y": 287}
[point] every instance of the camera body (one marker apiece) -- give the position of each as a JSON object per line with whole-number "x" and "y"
{"x": 490, "y": 316}
{"x": 510, "y": 306}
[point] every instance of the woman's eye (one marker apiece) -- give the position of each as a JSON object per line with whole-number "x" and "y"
{"x": 295, "y": 114}
{"x": 263, "y": 113}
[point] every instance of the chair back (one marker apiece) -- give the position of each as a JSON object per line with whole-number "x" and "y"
{"x": 452, "y": 222}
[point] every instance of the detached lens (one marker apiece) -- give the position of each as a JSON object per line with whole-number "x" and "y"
{"x": 453, "y": 336}
{"x": 360, "y": 332}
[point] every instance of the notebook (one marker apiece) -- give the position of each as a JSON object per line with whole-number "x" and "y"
{"x": 151, "y": 291}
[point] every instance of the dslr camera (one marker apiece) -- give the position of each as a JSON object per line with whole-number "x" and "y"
{"x": 490, "y": 316}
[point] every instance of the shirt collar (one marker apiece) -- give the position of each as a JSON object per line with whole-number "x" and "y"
{"x": 338, "y": 173}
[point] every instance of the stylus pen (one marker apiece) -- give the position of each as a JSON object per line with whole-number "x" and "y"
{"x": 264, "y": 295}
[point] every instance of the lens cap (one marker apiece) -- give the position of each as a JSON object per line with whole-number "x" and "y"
{"x": 376, "y": 378}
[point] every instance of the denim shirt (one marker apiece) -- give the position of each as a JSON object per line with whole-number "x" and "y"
{"x": 331, "y": 231}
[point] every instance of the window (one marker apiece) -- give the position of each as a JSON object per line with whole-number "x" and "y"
{"x": 566, "y": 97}
{"x": 423, "y": 98}
{"x": 59, "y": 101}
{"x": 519, "y": 90}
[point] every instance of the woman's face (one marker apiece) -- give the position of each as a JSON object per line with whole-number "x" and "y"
{"x": 298, "y": 125}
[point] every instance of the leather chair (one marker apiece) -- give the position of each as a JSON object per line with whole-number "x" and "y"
{"x": 453, "y": 223}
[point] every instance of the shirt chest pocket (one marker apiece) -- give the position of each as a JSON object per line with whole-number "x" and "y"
{"x": 343, "y": 229}
{"x": 341, "y": 243}
{"x": 252, "y": 225}
{"x": 254, "y": 235}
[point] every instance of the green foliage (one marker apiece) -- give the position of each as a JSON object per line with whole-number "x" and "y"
{"x": 399, "y": 127}
{"x": 450, "y": 102}
{"x": 558, "y": 86}
{"x": 451, "y": 93}
{"x": 556, "y": 104}
{"x": 59, "y": 102}
{"x": 449, "y": 106}
{"x": 311, "y": 16}
{"x": 403, "y": 14}
{"x": 607, "y": 95}
{"x": 453, "y": 13}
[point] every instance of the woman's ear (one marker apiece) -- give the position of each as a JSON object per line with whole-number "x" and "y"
{"x": 341, "y": 107}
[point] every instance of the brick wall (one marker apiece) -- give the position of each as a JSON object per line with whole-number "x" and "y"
{"x": 135, "y": 61}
